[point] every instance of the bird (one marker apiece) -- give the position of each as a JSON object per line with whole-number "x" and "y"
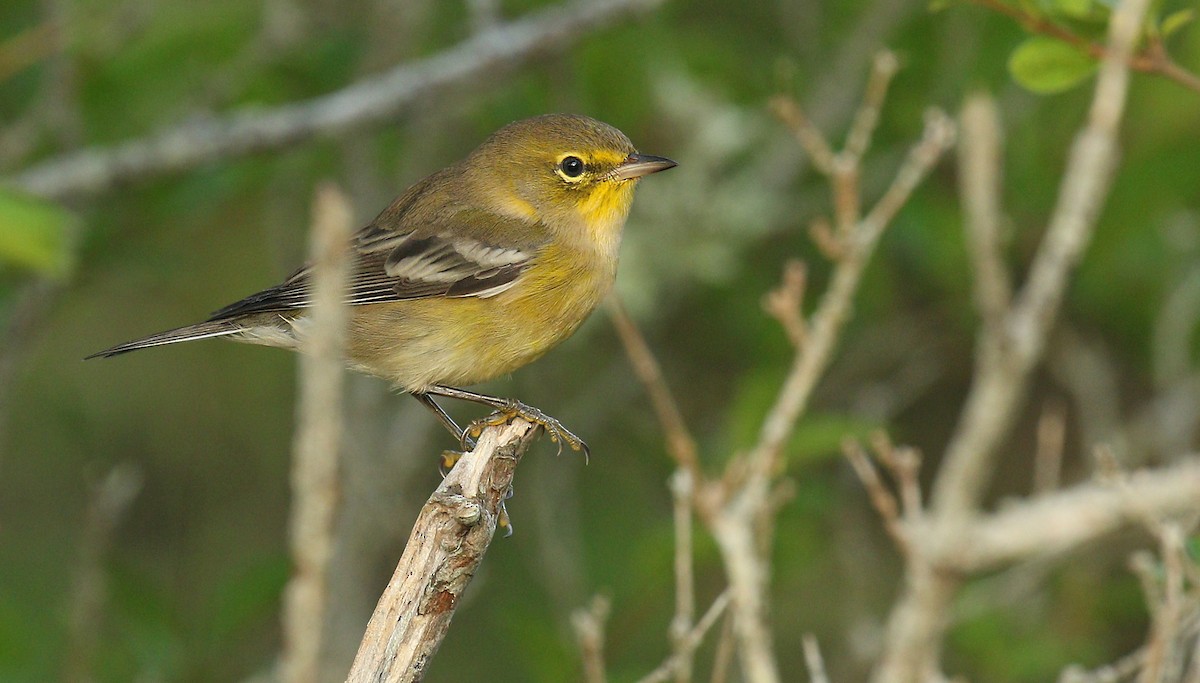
{"x": 471, "y": 273}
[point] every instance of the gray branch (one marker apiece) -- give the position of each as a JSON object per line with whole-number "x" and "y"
{"x": 448, "y": 541}
{"x": 370, "y": 101}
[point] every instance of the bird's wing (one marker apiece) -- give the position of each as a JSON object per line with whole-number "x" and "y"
{"x": 431, "y": 260}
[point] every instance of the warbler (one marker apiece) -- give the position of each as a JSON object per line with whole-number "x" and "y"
{"x": 471, "y": 273}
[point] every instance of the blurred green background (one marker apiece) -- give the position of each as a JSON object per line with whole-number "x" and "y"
{"x": 186, "y": 588}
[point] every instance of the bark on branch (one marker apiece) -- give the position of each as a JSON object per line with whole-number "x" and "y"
{"x": 448, "y": 541}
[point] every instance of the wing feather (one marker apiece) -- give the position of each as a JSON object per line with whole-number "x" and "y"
{"x": 393, "y": 265}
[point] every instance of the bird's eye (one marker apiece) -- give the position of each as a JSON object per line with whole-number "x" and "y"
{"x": 572, "y": 167}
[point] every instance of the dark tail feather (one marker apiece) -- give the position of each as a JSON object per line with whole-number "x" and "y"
{"x": 204, "y": 330}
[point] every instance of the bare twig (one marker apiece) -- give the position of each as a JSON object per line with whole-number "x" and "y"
{"x": 680, "y": 444}
{"x": 589, "y": 635}
{"x": 109, "y": 500}
{"x": 691, "y": 641}
{"x": 813, "y": 659}
{"x": 810, "y": 138}
{"x": 1161, "y": 661}
{"x": 1004, "y": 363}
{"x": 683, "y": 495}
{"x": 785, "y": 302}
{"x": 723, "y": 656}
{"x": 883, "y": 68}
{"x": 1051, "y": 440}
{"x": 1065, "y": 519}
{"x": 371, "y": 101}
{"x": 825, "y": 325}
{"x": 1152, "y": 58}
{"x": 912, "y": 642}
{"x": 979, "y": 177}
{"x": 318, "y": 439}
{"x": 448, "y": 541}
{"x": 881, "y": 498}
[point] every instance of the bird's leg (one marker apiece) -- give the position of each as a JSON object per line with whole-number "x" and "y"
{"x": 449, "y": 457}
{"x": 506, "y": 409}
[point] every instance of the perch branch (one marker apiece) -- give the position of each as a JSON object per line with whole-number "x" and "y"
{"x": 371, "y": 101}
{"x": 447, "y": 544}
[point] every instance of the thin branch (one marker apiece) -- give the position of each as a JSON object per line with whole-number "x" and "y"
{"x": 813, "y": 659}
{"x": 810, "y": 138}
{"x": 1066, "y": 519}
{"x": 883, "y": 68}
{"x": 109, "y": 501}
{"x": 371, "y": 101}
{"x": 1051, "y": 441}
{"x": 1004, "y": 363}
{"x": 723, "y": 656}
{"x": 881, "y": 498}
{"x": 785, "y": 302}
{"x": 680, "y": 444}
{"x": 979, "y": 177}
{"x": 691, "y": 642}
{"x": 913, "y": 637}
{"x": 448, "y": 542}
{"x": 683, "y": 495}
{"x": 318, "y": 437}
{"x": 1152, "y": 58}
{"x": 834, "y": 309}
{"x": 588, "y": 624}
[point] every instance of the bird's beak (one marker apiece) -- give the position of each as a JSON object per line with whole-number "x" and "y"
{"x": 638, "y": 165}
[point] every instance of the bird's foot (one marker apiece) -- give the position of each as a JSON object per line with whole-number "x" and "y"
{"x": 450, "y": 458}
{"x": 552, "y": 427}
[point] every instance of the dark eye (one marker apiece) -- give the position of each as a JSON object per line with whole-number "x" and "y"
{"x": 572, "y": 167}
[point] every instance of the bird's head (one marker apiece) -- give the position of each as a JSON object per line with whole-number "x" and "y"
{"x": 572, "y": 173}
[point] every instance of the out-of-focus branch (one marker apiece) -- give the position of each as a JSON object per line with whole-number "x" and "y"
{"x": 109, "y": 501}
{"x": 1152, "y": 58}
{"x": 371, "y": 101}
{"x": 1063, "y": 520}
{"x": 680, "y": 444}
{"x": 683, "y": 494}
{"x": 447, "y": 544}
{"x": 690, "y": 642}
{"x": 317, "y": 442}
{"x": 979, "y": 177}
{"x": 824, "y": 327}
{"x": 1004, "y": 362}
{"x": 589, "y": 634}
{"x": 912, "y": 641}
{"x": 813, "y": 659}
{"x": 736, "y": 510}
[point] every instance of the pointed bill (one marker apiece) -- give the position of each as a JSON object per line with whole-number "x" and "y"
{"x": 638, "y": 165}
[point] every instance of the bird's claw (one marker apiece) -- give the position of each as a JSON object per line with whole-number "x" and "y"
{"x": 552, "y": 427}
{"x": 450, "y": 458}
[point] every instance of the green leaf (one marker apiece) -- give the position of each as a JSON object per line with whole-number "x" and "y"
{"x": 1175, "y": 21}
{"x": 35, "y": 234}
{"x": 1046, "y": 65}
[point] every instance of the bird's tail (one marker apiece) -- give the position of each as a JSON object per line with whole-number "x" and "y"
{"x": 204, "y": 330}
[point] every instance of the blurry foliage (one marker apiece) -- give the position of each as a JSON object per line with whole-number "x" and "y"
{"x": 35, "y": 235}
{"x": 195, "y": 571}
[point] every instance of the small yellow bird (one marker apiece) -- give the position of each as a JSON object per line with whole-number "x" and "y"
{"x": 472, "y": 272}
